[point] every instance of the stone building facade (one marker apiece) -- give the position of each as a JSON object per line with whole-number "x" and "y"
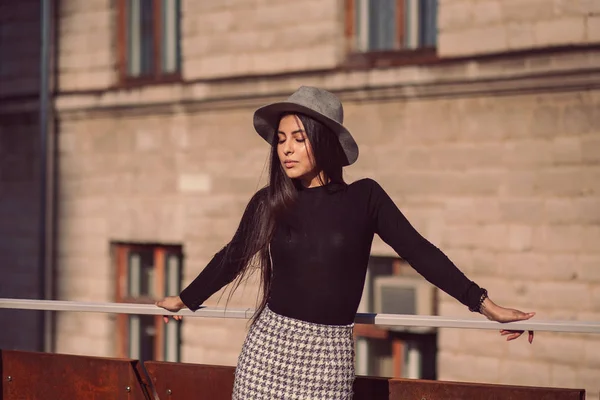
{"x": 490, "y": 146}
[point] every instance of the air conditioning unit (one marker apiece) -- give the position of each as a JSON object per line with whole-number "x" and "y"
{"x": 403, "y": 295}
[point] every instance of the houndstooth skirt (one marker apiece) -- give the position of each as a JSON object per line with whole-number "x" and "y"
{"x": 285, "y": 358}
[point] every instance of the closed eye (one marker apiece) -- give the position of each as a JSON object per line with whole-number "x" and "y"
{"x": 300, "y": 140}
{"x": 299, "y": 134}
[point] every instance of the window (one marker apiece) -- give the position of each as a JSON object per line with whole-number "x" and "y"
{"x": 384, "y": 32}
{"x": 146, "y": 273}
{"x": 394, "y": 24}
{"x": 392, "y": 286}
{"x": 149, "y": 40}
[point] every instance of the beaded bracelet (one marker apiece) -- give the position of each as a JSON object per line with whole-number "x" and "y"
{"x": 484, "y": 295}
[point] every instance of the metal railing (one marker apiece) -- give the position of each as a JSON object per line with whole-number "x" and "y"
{"x": 361, "y": 318}
{"x": 33, "y": 375}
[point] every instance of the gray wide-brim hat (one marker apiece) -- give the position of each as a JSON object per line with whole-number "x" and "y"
{"x": 313, "y": 102}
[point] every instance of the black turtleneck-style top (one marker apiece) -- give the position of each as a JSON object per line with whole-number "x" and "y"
{"x": 320, "y": 252}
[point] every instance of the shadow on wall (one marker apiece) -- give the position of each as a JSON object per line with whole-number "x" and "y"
{"x": 19, "y": 171}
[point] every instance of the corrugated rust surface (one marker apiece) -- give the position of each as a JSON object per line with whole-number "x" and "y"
{"x": 35, "y": 376}
{"x": 178, "y": 381}
{"x": 438, "y": 390}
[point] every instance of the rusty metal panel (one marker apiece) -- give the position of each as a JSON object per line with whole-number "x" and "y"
{"x": 408, "y": 389}
{"x": 34, "y": 376}
{"x": 174, "y": 381}
{"x": 179, "y": 381}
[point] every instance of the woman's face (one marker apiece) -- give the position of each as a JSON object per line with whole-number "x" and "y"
{"x": 295, "y": 152}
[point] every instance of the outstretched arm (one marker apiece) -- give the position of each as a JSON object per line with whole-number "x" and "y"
{"x": 429, "y": 261}
{"x": 393, "y": 227}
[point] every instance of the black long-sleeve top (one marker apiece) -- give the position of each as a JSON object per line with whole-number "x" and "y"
{"x": 320, "y": 252}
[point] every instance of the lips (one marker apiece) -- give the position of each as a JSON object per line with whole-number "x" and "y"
{"x": 289, "y": 163}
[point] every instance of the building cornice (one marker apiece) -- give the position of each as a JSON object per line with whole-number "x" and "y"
{"x": 557, "y": 71}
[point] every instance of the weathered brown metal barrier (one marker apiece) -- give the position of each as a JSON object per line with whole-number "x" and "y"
{"x": 37, "y": 376}
{"x": 439, "y": 390}
{"x": 34, "y": 376}
{"x": 189, "y": 381}
{"x": 175, "y": 381}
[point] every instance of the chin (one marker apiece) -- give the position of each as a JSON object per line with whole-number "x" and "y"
{"x": 295, "y": 174}
{"x": 292, "y": 175}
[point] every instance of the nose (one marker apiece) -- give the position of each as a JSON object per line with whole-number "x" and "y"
{"x": 288, "y": 147}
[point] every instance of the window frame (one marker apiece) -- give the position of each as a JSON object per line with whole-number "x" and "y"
{"x": 356, "y": 59}
{"x": 121, "y": 253}
{"x": 157, "y": 76}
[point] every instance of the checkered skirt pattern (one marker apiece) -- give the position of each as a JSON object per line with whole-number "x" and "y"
{"x": 285, "y": 358}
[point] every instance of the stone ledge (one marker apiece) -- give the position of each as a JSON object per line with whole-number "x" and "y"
{"x": 225, "y": 96}
{"x": 559, "y": 71}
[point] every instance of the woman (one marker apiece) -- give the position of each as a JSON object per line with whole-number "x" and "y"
{"x": 310, "y": 234}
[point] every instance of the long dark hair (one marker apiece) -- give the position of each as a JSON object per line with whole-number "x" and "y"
{"x": 279, "y": 196}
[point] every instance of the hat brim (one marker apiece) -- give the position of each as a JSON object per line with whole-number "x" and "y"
{"x": 266, "y": 122}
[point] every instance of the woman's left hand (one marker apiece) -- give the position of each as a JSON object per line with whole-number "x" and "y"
{"x": 500, "y": 314}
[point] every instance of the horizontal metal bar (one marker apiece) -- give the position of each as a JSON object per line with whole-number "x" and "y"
{"x": 121, "y": 308}
{"x": 245, "y": 313}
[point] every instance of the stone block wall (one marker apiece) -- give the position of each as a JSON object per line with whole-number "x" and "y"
{"x": 218, "y": 39}
{"x": 517, "y": 181}
{"x": 254, "y": 37}
{"x": 86, "y": 56}
{"x": 222, "y": 39}
{"x": 166, "y": 178}
{"x": 470, "y": 27}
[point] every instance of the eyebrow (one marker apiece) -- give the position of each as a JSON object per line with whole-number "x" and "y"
{"x": 293, "y": 133}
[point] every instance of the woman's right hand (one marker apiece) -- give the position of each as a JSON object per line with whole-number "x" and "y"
{"x": 173, "y": 304}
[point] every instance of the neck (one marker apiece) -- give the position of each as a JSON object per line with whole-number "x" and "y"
{"x": 314, "y": 180}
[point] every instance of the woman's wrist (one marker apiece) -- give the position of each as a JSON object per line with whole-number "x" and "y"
{"x": 488, "y": 308}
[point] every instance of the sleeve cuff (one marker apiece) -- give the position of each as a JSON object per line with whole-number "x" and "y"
{"x": 475, "y": 296}
{"x": 189, "y": 301}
